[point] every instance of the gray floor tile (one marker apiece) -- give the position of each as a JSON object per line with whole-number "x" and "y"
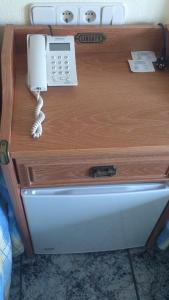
{"x": 125, "y": 294}
{"x": 151, "y": 269}
{"x": 42, "y": 280}
{"x": 101, "y": 276}
{"x": 15, "y": 282}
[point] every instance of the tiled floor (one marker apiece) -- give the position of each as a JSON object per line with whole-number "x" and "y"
{"x": 119, "y": 275}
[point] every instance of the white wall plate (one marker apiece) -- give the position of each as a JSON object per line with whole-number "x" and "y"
{"x": 77, "y": 13}
{"x": 44, "y": 14}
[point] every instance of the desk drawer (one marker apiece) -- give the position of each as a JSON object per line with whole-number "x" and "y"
{"x": 82, "y": 172}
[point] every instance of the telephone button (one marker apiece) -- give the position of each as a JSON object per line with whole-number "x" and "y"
{"x": 66, "y": 62}
{"x": 53, "y": 57}
{"x": 55, "y": 79}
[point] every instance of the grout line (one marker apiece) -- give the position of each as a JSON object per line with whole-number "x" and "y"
{"x": 133, "y": 275}
{"x": 20, "y": 275}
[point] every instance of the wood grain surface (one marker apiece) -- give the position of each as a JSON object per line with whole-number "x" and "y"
{"x": 7, "y": 74}
{"x": 111, "y": 107}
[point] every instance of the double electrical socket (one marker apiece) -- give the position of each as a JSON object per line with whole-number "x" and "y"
{"x": 77, "y": 13}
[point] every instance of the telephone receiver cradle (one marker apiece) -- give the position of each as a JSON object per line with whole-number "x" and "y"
{"x": 51, "y": 62}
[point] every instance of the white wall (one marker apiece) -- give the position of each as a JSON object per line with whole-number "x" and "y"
{"x": 138, "y": 11}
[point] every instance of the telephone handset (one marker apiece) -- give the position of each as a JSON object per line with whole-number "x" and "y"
{"x": 51, "y": 62}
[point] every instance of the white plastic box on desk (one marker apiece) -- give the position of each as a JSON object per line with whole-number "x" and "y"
{"x": 93, "y": 218}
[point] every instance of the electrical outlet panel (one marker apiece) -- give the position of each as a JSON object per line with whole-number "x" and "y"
{"x": 90, "y": 15}
{"x": 77, "y": 13}
{"x": 67, "y": 15}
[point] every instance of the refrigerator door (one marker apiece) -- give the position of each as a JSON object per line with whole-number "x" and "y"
{"x": 93, "y": 218}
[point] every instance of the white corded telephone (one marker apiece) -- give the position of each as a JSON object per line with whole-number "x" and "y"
{"x": 51, "y": 62}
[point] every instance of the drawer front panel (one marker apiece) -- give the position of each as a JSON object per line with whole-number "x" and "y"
{"x": 79, "y": 173}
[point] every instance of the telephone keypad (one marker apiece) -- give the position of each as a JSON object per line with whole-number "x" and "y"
{"x": 60, "y": 67}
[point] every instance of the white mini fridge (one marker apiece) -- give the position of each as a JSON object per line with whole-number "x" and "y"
{"x": 77, "y": 219}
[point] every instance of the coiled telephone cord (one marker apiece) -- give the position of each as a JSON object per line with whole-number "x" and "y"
{"x": 36, "y": 130}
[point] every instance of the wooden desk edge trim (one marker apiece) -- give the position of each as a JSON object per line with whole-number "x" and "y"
{"x": 25, "y": 28}
{"x": 146, "y": 151}
{"x": 7, "y": 82}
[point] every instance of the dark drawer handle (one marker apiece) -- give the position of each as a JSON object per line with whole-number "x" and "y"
{"x": 102, "y": 171}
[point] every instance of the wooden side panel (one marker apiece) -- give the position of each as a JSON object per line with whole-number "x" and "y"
{"x": 7, "y": 69}
{"x": 165, "y": 214}
{"x": 158, "y": 227}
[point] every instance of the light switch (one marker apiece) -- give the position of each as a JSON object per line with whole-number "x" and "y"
{"x": 118, "y": 14}
{"x": 113, "y": 15}
{"x": 107, "y": 15}
{"x": 45, "y": 15}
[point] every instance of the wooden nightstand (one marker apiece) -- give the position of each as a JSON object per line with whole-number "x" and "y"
{"x": 113, "y": 117}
